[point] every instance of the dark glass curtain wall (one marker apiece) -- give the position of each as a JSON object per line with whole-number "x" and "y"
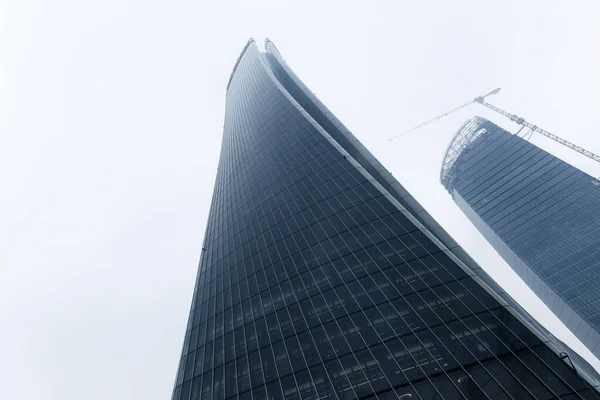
{"x": 314, "y": 284}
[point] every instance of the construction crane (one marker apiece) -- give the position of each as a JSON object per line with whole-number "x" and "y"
{"x": 512, "y": 117}
{"x": 475, "y": 100}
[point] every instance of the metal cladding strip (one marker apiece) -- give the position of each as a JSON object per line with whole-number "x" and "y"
{"x": 401, "y": 198}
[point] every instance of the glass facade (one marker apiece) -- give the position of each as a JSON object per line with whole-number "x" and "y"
{"x": 321, "y": 279}
{"x": 541, "y": 214}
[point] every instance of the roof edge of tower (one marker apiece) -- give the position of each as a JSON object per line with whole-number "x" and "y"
{"x": 465, "y": 135}
{"x": 237, "y": 62}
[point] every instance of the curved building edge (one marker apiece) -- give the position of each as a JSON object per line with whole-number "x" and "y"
{"x": 466, "y": 134}
{"x": 248, "y": 43}
{"x": 351, "y": 148}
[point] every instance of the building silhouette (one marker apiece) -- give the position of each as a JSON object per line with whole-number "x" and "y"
{"x": 541, "y": 214}
{"x": 322, "y": 278}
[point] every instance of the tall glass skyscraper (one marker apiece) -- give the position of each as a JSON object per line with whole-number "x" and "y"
{"x": 541, "y": 214}
{"x": 322, "y": 278}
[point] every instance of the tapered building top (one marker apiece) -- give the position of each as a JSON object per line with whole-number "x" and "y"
{"x": 322, "y": 277}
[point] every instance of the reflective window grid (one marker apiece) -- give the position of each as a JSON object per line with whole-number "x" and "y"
{"x": 542, "y": 215}
{"x": 313, "y": 285}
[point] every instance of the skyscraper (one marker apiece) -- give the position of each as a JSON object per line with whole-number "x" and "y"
{"x": 322, "y": 278}
{"x": 541, "y": 214}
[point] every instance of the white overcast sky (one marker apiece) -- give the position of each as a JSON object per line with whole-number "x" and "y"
{"x": 111, "y": 116}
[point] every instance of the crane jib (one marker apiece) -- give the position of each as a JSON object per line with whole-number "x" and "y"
{"x": 512, "y": 117}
